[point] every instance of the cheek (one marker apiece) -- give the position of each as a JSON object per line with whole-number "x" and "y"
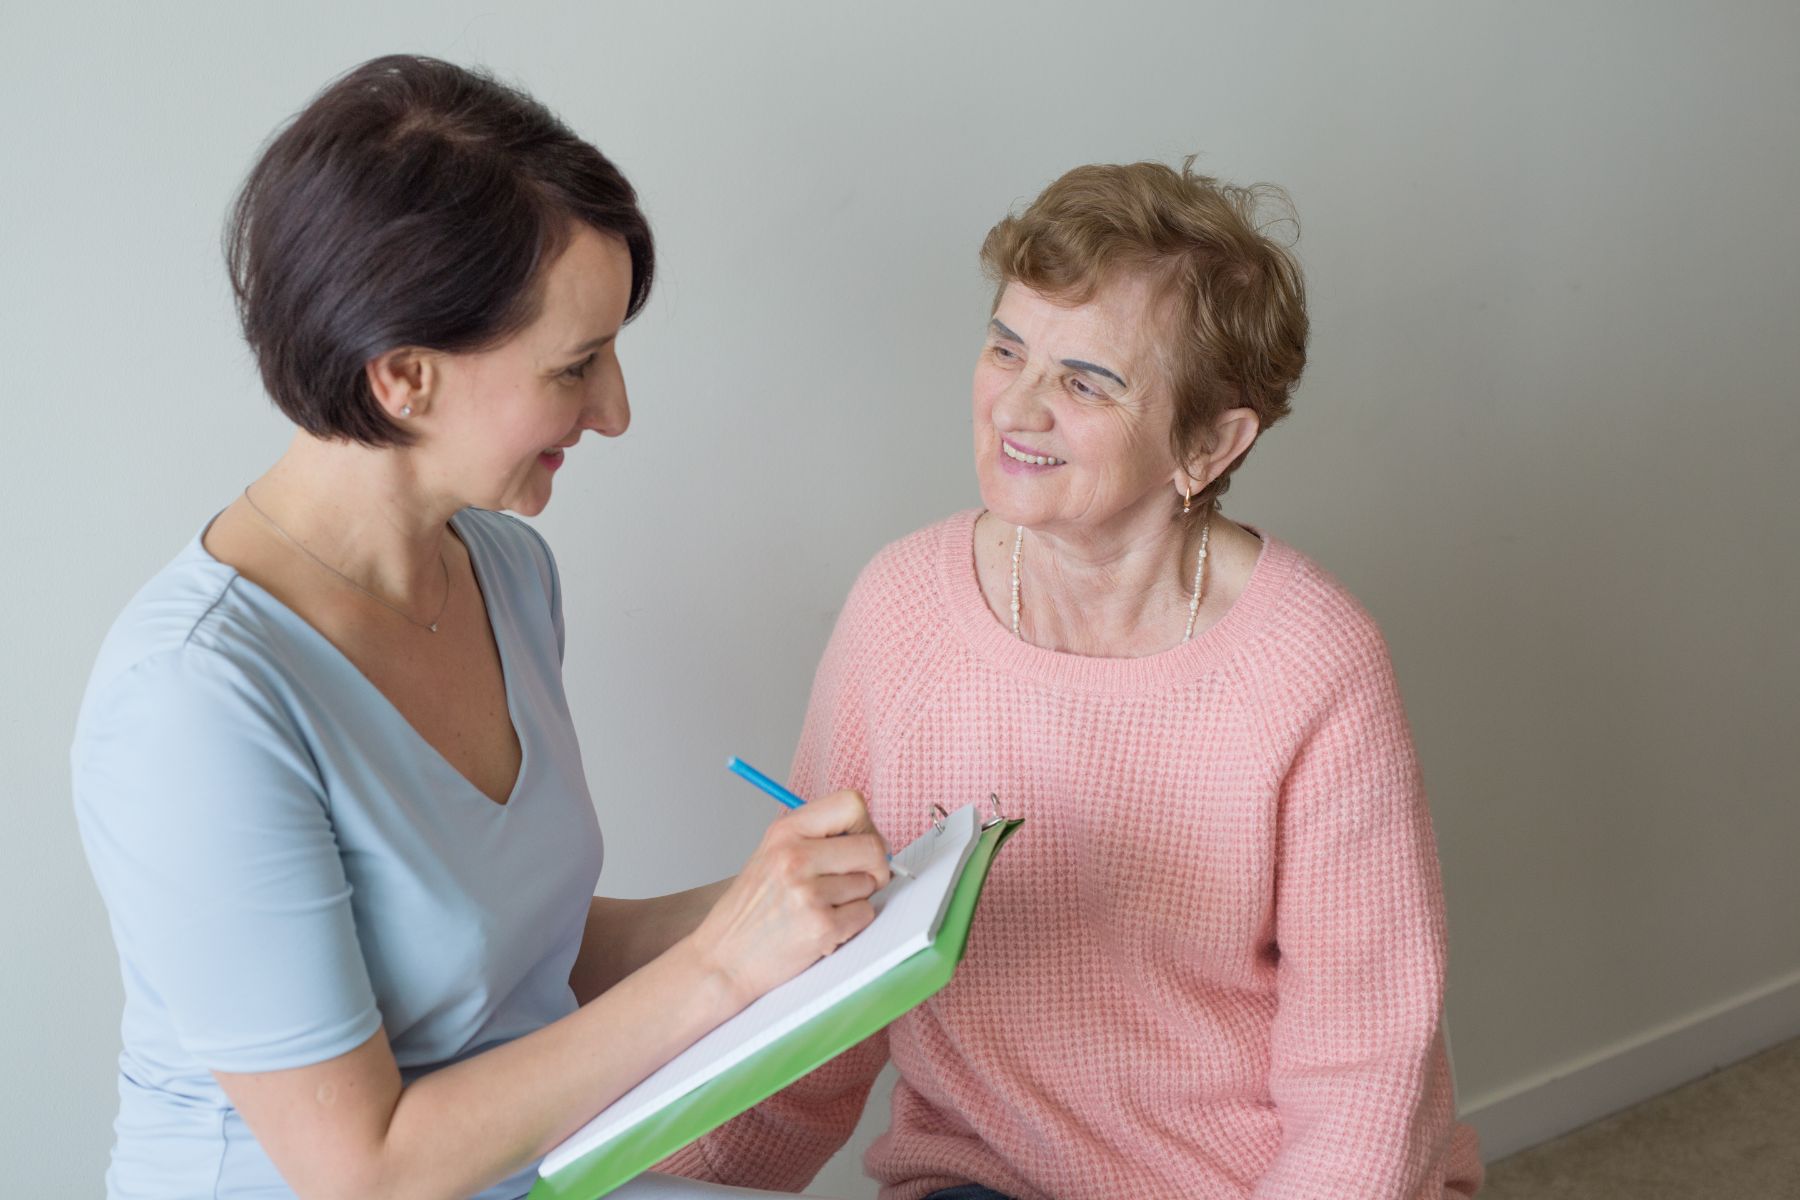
{"x": 989, "y": 383}
{"x": 1106, "y": 443}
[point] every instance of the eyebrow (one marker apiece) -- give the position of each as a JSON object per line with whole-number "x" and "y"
{"x": 591, "y": 344}
{"x": 1074, "y": 364}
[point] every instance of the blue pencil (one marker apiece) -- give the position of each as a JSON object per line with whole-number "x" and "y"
{"x": 739, "y": 767}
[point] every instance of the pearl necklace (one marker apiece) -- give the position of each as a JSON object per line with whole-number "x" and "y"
{"x": 1193, "y": 600}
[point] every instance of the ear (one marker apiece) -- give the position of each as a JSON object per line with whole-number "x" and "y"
{"x": 1232, "y": 434}
{"x": 404, "y": 381}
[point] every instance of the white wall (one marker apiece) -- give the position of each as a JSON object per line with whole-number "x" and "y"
{"x": 1548, "y": 432}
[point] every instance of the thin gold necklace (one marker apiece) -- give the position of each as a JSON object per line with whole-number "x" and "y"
{"x": 430, "y": 626}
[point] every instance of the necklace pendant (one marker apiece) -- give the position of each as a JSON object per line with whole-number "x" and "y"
{"x": 432, "y": 627}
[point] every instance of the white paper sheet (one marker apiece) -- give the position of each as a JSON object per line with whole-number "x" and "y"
{"x": 908, "y": 913}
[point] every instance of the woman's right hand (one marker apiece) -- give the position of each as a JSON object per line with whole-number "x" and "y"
{"x": 802, "y": 895}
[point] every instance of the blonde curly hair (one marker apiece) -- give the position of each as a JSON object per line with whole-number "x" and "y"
{"x": 1230, "y": 298}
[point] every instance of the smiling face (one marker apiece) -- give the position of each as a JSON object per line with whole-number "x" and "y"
{"x": 1072, "y": 418}
{"x": 502, "y": 417}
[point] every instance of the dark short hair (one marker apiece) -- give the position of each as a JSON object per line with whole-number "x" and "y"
{"x": 412, "y": 203}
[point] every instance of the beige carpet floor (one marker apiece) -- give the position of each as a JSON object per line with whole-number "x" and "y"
{"x": 1733, "y": 1135}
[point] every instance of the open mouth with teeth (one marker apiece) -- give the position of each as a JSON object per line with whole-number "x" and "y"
{"x": 1042, "y": 460}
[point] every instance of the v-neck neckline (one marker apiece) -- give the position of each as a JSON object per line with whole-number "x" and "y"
{"x": 330, "y": 648}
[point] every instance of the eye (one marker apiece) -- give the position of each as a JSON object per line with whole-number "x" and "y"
{"x": 1082, "y": 388}
{"x": 1004, "y": 354}
{"x": 580, "y": 369}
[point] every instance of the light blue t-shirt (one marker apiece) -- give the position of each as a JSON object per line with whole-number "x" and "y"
{"x": 288, "y": 865}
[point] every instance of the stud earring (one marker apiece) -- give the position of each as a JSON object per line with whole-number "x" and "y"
{"x": 406, "y": 410}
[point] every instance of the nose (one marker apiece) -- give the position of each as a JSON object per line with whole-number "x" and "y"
{"x": 1020, "y": 407}
{"x": 610, "y": 413}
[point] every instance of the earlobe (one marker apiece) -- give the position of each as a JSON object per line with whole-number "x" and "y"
{"x": 1190, "y": 481}
{"x": 401, "y": 381}
{"x": 1232, "y": 436}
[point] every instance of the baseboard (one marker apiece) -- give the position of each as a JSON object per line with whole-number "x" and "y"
{"x": 1597, "y": 1085}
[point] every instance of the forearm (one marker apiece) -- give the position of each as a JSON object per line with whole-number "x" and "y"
{"x": 347, "y": 1127}
{"x": 459, "y": 1129}
{"x": 1368, "y": 1132}
{"x": 1356, "y": 1065}
{"x": 464, "y": 1126}
{"x": 623, "y": 936}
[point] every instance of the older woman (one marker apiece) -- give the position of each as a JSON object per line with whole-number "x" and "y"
{"x": 325, "y": 772}
{"x": 1212, "y": 963}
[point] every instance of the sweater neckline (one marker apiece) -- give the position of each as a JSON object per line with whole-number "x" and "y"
{"x": 994, "y": 642}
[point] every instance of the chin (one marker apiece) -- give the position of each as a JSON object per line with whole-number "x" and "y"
{"x": 526, "y": 503}
{"x": 1002, "y": 506}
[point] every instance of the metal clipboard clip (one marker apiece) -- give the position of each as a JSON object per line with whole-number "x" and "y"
{"x": 999, "y": 817}
{"x": 939, "y": 815}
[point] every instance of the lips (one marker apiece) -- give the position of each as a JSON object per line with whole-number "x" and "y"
{"x": 1025, "y": 455}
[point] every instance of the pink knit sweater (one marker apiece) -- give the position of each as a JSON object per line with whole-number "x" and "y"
{"x": 1211, "y": 963}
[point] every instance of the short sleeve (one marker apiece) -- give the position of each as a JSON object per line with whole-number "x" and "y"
{"x": 210, "y": 838}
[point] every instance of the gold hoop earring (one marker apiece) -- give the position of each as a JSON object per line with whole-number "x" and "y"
{"x": 1187, "y": 500}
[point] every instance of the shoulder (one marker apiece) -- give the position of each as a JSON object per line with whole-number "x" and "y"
{"x": 908, "y": 567}
{"x": 503, "y": 529}
{"x": 1329, "y": 705}
{"x": 507, "y": 541}
{"x": 199, "y": 678}
{"x": 192, "y": 712}
{"x": 1317, "y": 639}
{"x": 194, "y": 608}
{"x": 1322, "y": 614}
{"x": 901, "y": 583}
{"x": 892, "y": 623}
{"x": 517, "y": 558}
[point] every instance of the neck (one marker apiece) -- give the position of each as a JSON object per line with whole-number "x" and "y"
{"x": 364, "y": 511}
{"x": 1118, "y": 596}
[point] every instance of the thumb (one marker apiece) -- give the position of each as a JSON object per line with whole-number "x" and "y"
{"x": 840, "y": 812}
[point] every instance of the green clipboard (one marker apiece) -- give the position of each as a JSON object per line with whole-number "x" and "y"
{"x": 772, "y": 1068}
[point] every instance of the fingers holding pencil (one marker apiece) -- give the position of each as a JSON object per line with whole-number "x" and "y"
{"x": 791, "y": 801}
